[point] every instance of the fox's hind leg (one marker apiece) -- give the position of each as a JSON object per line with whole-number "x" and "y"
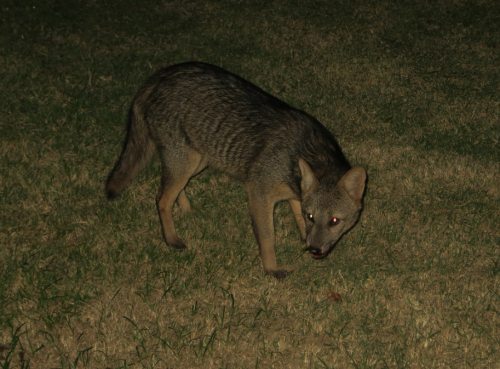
{"x": 177, "y": 169}
{"x": 184, "y": 203}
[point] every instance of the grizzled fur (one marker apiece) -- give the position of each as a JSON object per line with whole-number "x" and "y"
{"x": 198, "y": 115}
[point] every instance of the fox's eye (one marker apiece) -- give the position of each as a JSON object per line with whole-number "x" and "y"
{"x": 334, "y": 222}
{"x": 310, "y": 217}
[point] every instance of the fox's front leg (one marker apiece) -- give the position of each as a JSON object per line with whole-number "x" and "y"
{"x": 297, "y": 212}
{"x": 261, "y": 211}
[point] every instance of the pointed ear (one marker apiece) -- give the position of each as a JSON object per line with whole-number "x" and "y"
{"x": 309, "y": 180}
{"x": 354, "y": 182}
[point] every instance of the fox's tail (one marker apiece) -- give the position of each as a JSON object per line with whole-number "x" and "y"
{"x": 136, "y": 152}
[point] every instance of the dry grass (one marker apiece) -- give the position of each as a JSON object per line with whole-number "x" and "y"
{"x": 411, "y": 92}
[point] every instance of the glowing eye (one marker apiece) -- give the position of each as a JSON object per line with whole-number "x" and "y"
{"x": 310, "y": 217}
{"x": 334, "y": 222}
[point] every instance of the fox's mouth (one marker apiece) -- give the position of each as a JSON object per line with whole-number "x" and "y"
{"x": 316, "y": 253}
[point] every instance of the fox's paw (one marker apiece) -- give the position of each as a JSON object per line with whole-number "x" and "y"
{"x": 193, "y": 212}
{"x": 179, "y": 246}
{"x": 280, "y": 273}
{"x": 176, "y": 244}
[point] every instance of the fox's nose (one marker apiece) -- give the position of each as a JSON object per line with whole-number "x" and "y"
{"x": 315, "y": 252}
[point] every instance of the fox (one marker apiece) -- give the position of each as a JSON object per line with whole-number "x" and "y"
{"x": 197, "y": 115}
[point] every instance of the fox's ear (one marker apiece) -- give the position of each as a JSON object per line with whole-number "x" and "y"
{"x": 354, "y": 182}
{"x": 309, "y": 180}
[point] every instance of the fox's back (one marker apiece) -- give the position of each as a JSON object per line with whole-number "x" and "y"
{"x": 229, "y": 120}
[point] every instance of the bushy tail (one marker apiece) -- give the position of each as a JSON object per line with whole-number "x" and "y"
{"x": 135, "y": 155}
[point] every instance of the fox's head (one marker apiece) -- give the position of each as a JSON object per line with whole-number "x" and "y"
{"x": 330, "y": 210}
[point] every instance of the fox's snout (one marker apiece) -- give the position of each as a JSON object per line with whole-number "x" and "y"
{"x": 316, "y": 253}
{"x": 319, "y": 252}
{"x": 323, "y": 235}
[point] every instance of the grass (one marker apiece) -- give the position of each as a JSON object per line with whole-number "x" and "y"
{"x": 410, "y": 89}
